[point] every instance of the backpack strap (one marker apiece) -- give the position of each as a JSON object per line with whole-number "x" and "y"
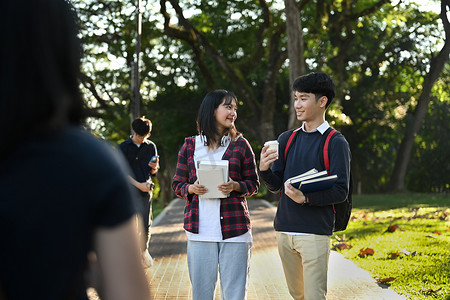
{"x": 324, "y": 147}
{"x": 289, "y": 143}
{"x": 326, "y": 157}
{"x": 292, "y": 137}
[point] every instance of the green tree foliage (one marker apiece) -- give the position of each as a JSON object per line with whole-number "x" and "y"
{"x": 236, "y": 45}
{"x": 378, "y": 53}
{"x": 108, "y": 30}
{"x": 429, "y": 168}
{"x": 436, "y": 66}
{"x": 373, "y": 52}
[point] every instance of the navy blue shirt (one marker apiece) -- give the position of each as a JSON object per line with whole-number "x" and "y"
{"x": 316, "y": 216}
{"x": 138, "y": 158}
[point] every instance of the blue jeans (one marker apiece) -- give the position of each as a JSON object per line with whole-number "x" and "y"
{"x": 231, "y": 260}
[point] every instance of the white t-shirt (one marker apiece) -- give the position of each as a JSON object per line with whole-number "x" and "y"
{"x": 209, "y": 229}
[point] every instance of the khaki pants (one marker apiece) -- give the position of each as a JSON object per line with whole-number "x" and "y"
{"x": 305, "y": 264}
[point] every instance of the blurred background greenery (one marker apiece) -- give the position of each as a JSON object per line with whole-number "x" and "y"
{"x": 389, "y": 59}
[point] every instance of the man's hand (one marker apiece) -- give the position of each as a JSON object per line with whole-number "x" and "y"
{"x": 143, "y": 186}
{"x": 295, "y": 194}
{"x": 197, "y": 188}
{"x": 154, "y": 166}
{"x": 267, "y": 158}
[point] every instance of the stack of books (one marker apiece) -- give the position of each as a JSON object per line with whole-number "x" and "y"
{"x": 211, "y": 174}
{"x": 313, "y": 181}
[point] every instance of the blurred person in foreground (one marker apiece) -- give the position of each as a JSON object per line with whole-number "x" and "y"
{"x": 63, "y": 193}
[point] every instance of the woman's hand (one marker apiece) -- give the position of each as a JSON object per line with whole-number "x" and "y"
{"x": 267, "y": 158}
{"x": 197, "y": 188}
{"x": 227, "y": 187}
{"x": 295, "y": 194}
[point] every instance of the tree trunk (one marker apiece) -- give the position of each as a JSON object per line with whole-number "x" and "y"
{"x": 165, "y": 176}
{"x": 397, "y": 180}
{"x": 276, "y": 60}
{"x": 295, "y": 52}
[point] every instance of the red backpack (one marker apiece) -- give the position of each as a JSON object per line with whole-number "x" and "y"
{"x": 342, "y": 210}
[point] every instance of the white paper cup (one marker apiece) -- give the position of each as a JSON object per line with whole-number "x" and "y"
{"x": 273, "y": 145}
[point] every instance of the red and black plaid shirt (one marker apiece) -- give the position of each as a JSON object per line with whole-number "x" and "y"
{"x": 234, "y": 215}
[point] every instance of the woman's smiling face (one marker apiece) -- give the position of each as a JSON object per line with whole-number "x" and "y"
{"x": 225, "y": 115}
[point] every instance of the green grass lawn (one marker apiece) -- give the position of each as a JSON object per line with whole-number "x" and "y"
{"x": 416, "y": 255}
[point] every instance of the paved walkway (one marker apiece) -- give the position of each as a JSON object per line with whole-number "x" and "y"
{"x": 169, "y": 278}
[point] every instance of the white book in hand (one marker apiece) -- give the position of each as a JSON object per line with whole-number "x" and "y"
{"x": 313, "y": 173}
{"x": 211, "y": 174}
{"x": 214, "y": 164}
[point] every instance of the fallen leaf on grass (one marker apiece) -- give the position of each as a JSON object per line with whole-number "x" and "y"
{"x": 364, "y": 216}
{"x": 366, "y": 252}
{"x": 384, "y": 280}
{"x": 394, "y": 254}
{"x": 392, "y": 228}
{"x": 341, "y": 239}
{"x": 445, "y": 215}
{"x": 407, "y": 253}
{"x": 431, "y": 291}
{"x": 432, "y": 236}
{"x": 342, "y": 246}
{"x": 437, "y": 232}
{"x": 438, "y": 214}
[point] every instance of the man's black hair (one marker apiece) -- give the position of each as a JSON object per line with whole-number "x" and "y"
{"x": 319, "y": 84}
{"x": 141, "y": 126}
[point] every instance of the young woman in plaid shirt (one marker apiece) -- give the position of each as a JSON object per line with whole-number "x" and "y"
{"x": 218, "y": 230}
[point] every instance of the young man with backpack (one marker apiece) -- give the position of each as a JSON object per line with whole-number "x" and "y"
{"x": 305, "y": 222}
